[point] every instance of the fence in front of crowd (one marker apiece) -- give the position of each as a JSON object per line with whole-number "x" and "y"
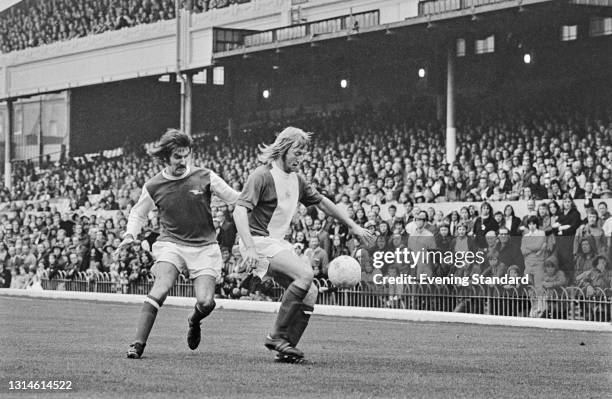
{"x": 568, "y": 303}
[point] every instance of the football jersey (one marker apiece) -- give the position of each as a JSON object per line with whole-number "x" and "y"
{"x": 272, "y": 196}
{"x": 184, "y": 206}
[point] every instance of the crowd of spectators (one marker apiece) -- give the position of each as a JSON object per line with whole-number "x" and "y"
{"x": 32, "y": 23}
{"x": 386, "y": 173}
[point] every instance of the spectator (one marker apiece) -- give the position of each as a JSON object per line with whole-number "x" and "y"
{"x": 322, "y": 235}
{"x": 394, "y": 291}
{"x": 514, "y": 271}
{"x": 595, "y": 283}
{"x": 227, "y": 230}
{"x": 492, "y": 242}
{"x": 422, "y": 241}
{"x": 379, "y": 162}
{"x": 462, "y": 243}
{"x": 499, "y": 218}
{"x": 585, "y": 255}
{"x": 298, "y": 248}
{"x": 511, "y": 222}
{"x": 565, "y": 228}
{"x": 535, "y": 250}
{"x": 317, "y": 256}
{"x": 483, "y": 224}
{"x": 544, "y": 220}
{"x": 494, "y": 267}
{"x": 33, "y": 23}
{"x": 538, "y": 191}
{"x": 591, "y": 229}
{"x": 555, "y": 190}
{"x": 602, "y": 212}
{"x": 5, "y": 276}
{"x": 554, "y": 212}
{"x": 300, "y": 238}
{"x": 553, "y": 276}
{"x": 338, "y": 248}
{"x": 574, "y": 191}
{"x": 19, "y": 278}
{"x": 509, "y": 248}
{"x": 466, "y": 219}
{"x": 597, "y": 277}
{"x": 73, "y": 266}
{"x": 531, "y": 211}
{"x": 444, "y": 244}
{"x": 369, "y": 279}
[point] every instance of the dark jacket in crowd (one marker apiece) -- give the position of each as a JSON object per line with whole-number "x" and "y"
{"x": 481, "y": 228}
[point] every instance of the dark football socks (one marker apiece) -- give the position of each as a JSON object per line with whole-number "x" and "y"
{"x": 200, "y": 312}
{"x": 147, "y": 318}
{"x": 289, "y": 308}
{"x": 300, "y": 322}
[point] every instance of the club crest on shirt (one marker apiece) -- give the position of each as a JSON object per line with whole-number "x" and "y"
{"x": 196, "y": 192}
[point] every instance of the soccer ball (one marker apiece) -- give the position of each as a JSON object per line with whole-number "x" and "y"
{"x": 344, "y": 272}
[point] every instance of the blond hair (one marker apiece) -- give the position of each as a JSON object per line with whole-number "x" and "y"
{"x": 289, "y": 137}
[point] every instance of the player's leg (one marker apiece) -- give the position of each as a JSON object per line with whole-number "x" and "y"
{"x": 204, "y": 287}
{"x": 288, "y": 267}
{"x": 297, "y": 328}
{"x": 204, "y": 265}
{"x": 165, "y": 275}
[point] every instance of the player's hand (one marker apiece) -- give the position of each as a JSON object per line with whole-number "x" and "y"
{"x": 127, "y": 240}
{"x": 364, "y": 235}
{"x": 251, "y": 259}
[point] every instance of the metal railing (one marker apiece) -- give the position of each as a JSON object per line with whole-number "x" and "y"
{"x": 570, "y": 303}
{"x": 596, "y": 3}
{"x": 428, "y": 7}
{"x": 337, "y": 24}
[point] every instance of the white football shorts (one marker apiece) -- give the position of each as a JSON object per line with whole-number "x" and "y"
{"x": 197, "y": 261}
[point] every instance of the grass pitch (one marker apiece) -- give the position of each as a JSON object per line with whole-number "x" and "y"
{"x": 85, "y": 342}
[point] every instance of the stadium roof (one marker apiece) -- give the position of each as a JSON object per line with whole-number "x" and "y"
{"x": 499, "y": 15}
{"x": 4, "y": 4}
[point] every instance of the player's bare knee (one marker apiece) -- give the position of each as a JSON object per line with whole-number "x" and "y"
{"x": 311, "y": 297}
{"x": 306, "y": 277}
{"x": 206, "y": 305}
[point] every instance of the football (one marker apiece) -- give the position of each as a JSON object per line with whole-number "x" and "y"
{"x": 344, "y": 272}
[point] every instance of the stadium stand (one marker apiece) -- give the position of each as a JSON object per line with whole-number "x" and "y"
{"x": 32, "y": 23}
{"x": 60, "y": 224}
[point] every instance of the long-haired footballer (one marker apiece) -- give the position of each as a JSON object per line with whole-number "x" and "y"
{"x": 187, "y": 240}
{"x": 263, "y": 214}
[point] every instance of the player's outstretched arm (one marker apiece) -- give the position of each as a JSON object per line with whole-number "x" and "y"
{"x": 244, "y": 232}
{"x": 327, "y": 206}
{"x": 139, "y": 216}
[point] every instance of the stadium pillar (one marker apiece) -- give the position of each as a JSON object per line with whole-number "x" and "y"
{"x": 183, "y": 22}
{"x": 179, "y": 74}
{"x": 8, "y": 141}
{"x": 451, "y": 132}
{"x": 40, "y": 132}
{"x": 188, "y": 82}
{"x": 231, "y": 126}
